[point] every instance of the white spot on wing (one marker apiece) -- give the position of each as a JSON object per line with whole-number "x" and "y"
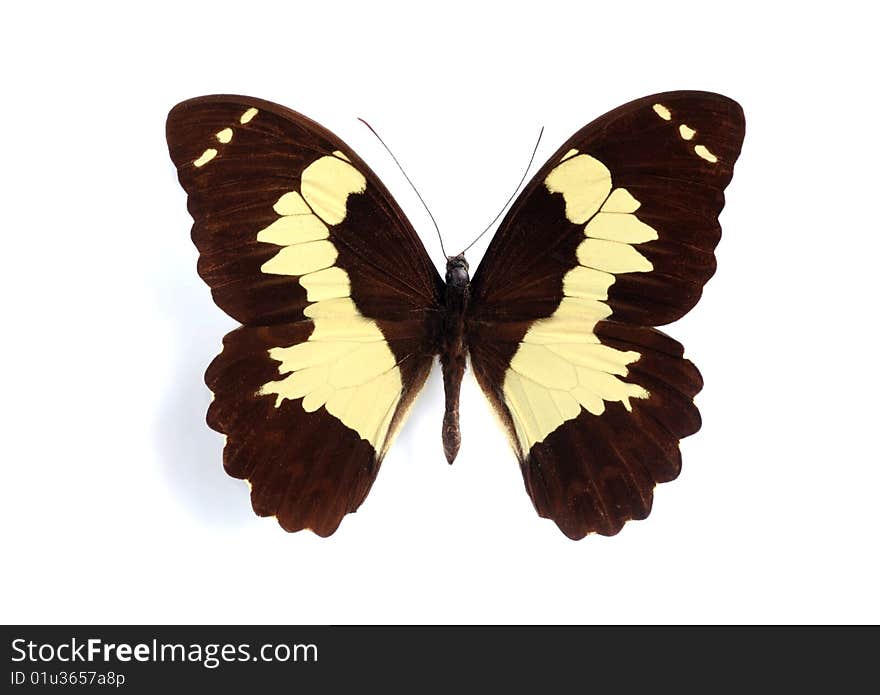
{"x": 662, "y": 111}
{"x": 205, "y": 157}
{"x": 704, "y": 152}
{"x": 248, "y": 116}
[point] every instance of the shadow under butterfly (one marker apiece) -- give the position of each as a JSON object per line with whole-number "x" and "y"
{"x": 343, "y": 313}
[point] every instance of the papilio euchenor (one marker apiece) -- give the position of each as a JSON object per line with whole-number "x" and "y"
{"x": 343, "y": 313}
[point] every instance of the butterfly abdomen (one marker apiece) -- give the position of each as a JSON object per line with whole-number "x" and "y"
{"x": 453, "y": 354}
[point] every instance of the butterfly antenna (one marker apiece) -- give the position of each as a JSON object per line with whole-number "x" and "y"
{"x": 409, "y": 181}
{"x": 513, "y": 195}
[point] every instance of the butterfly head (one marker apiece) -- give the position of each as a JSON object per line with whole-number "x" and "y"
{"x": 457, "y": 271}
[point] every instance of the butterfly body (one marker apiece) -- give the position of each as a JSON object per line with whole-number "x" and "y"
{"x": 454, "y": 349}
{"x": 344, "y": 314}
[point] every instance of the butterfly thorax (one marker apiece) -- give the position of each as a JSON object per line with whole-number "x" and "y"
{"x": 453, "y": 354}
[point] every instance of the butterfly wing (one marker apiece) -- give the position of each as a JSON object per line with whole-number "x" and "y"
{"x": 301, "y": 243}
{"x": 615, "y": 235}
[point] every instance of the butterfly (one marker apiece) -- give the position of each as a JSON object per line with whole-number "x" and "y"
{"x": 343, "y": 312}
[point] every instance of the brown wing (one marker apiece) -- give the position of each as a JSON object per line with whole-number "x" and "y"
{"x": 613, "y": 236}
{"x": 302, "y": 243}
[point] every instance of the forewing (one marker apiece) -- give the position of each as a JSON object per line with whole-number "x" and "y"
{"x": 302, "y": 243}
{"x": 613, "y": 236}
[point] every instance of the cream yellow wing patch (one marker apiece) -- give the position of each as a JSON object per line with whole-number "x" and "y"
{"x": 687, "y": 133}
{"x": 326, "y": 184}
{"x": 346, "y": 365}
{"x": 205, "y": 157}
{"x": 662, "y": 111}
{"x": 248, "y": 116}
{"x": 704, "y": 152}
{"x": 223, "y": 137}
{"x": 584, "y": 183}
{"x": 560, "y": 366}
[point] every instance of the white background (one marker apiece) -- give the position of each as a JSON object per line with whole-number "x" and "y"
{"x": 113, "y": 503}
